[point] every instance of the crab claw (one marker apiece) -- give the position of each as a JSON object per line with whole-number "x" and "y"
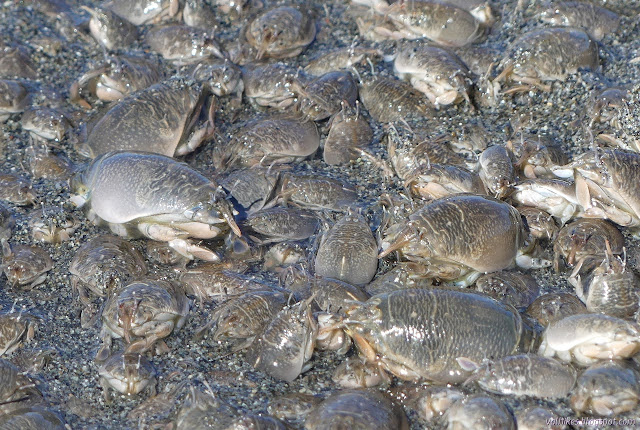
{"x": 125, "y": 314}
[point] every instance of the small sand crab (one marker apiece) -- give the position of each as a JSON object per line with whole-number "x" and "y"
{"x": 459, "y": 237}
{"x": 368, "y": 408}
{"x": 52, "y": 224}
{"x": 443, "y": 23}
{"x": 596, "y": 20}
{"x": 606, "y": 389}
{"x": 438, "y": 73}
{"x": 537, "y": 155}
{"x": 145, "y": 204}
{"x": 610, "y": 288}
{"x": 584, "y": 243}
{"x": 128, "y": 374}
{"x": 349, "y": 132}
{"x": 158, "y": 119}
{"x": 140, "y": 12}
{"x": 25, "y": 264}
{"x": 16, "y": 189}
{"x": 511, "y": 288}
{"x": 273, "y": 84}
{"x": 607, "y": 105}
{"x": 348, "y": 251}
{"x": 606, "y": 185}
{"x": 554, "y": 196}
{"x": 281, "y": 32}
{"x": 285, "y": 346}
{"x": 587, "y": 338}
{"x": 317, "y": 192}
{"x": 102, "y": 264}
{"x": 340, "y": 59}
{"x": 109, "y": 29}
{"x": 16, "y": 327}
{"x": 269, "y": 140}
{"x": 323, "y": 96}
{"x": 243, "y": 317}
{"x": 220, "y": 76}
{"x": 204, "y": 409}
{"x": 548, "y": 54}
{"x": 496, "y": 170}
{"x": 14, "y": 98}
{"x": 182, "y": 44}
{"x": 117, "y": 77}
{"x": 142, "y": 313}
{"x": 389, "y": 99}
{"x": 45, "y": 123}
{"x": 525, "y": 375}
{"x": 280, "y": 224}
{"x": 420, "y": 334}
{"x": 7, "y": 222}
{"x": 479, "y": 412}
{"x": 552, "y": 307}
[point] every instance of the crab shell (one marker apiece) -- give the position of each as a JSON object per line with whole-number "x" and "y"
{"x": 143, "y": 194}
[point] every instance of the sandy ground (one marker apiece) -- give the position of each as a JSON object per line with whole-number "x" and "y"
{"x": 70, "y": 380}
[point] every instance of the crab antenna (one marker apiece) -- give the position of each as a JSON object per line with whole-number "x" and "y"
{"x": 594, "y": 147}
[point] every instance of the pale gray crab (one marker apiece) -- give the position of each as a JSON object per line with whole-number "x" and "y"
{"x": 146, "y": 203}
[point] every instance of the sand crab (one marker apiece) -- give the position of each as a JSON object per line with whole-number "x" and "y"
{"x": 52, "y": 224}
{"x": 606, "y": 185}
{"x": 459, "y": 237}
{"x": 14, "y": 98}
{"x": 145, "y": 204}
{"x": 158, "y": 119}
{"x": 182, "y": 44}
{"x": 423, "y": 333}
{"x": 140, "y": 12}
{"x": 143, "y": 312}
{"x": 128, "y": 374}
{"x": 606, "y": 389}
{"x": 269, "y": 140}
{"x": 548, "y": 54}
{"x": 116, "y": 78}
{"x": 443, "y": 23}
{"x": 281, "y": 32}
{"x": 322, "y": 97}
{"x": 587, "y": 338}
{"x": 438, "y": 73}
{"x": 584, "y": 243}
{"x": 596, "y": 20}
{"x": 286, "y": 345}
{"x": 348, "y": 251}
{"x": 25, "y": 264}
{"x": 109, "y": 29}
